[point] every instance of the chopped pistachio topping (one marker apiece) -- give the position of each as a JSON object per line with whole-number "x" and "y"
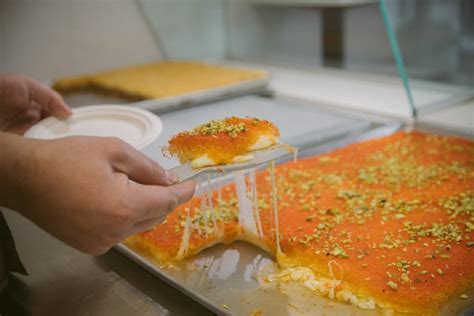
{"x": 405, "y": 278}
{"x": 339, "y": 252}
{"x": 392, "y": 285}
{"x": 219, "y": 126}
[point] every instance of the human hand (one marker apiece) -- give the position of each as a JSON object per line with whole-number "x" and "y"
{"x": 79, "y": 190}
{"x": 23, "y": 102}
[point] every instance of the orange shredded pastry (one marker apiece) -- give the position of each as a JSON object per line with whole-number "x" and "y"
{"x": 395, "y": 215}
{"x": 221, "y": 140}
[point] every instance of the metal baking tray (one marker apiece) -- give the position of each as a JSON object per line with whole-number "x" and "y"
{"x": 162, "y": 105}
{"x": 222, "y": 278}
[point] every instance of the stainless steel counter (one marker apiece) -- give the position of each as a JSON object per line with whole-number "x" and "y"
{"x": 64, "y": 281}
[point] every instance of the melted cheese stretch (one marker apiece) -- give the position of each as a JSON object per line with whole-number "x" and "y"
{"x": 249, "y": 220}
{"x": 207, "y": 210}
{"x": 249, "y": 213}
{"x": 183, "y": 248}
{"x": 246, "y": 218}
{"x": 271, "y": 168}
{"x": 323, "y": 286}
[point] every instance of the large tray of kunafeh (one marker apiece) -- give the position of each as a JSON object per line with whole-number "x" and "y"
{"x": 380, "y": 223}
{"x": 167, "y": 85}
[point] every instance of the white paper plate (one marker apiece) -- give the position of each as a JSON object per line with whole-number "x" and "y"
{"x": 137, "y": 127}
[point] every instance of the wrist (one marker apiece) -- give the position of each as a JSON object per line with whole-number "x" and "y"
{"x": 16, "y": 158}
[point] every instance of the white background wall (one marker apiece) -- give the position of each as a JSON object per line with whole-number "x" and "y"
{"x": 273, "y": 34}
{"x": 52, "y": 38}
{"x": 188, "y": 28}
{"x": 48, "y": 39}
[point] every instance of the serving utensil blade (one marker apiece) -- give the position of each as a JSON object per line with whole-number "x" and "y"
{"x": 186, "y": 171}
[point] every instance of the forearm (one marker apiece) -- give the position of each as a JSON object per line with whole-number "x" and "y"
{"x": 15, "y": 156}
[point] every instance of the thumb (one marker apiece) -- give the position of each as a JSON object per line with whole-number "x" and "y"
{"x": 51, "y": 101}
{"x": 139, "y": 168}
{"x": 57, "y": 107}
{"x": 155, "y": 202}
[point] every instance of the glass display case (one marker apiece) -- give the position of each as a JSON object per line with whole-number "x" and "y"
{"x": 434, "y": 38}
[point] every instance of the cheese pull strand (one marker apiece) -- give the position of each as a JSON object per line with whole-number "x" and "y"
{"x": 271, "y": 169}
{"x": 183, "y": 247}
{"x": 246, "y": 217}
{"x": 249, "y": 213}
{"x": 218, "y": 232}
{"x": 254, "y": 199}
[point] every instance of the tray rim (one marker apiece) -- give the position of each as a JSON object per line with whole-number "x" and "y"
{"x": 187, "y": 100}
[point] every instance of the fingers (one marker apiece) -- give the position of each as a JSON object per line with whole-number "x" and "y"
{"x": 20, "y": 123}
{"x": 183, "y": 191}
{"x": 153, "y": 203}
{"x": 50, "y": 101}
{"x": 145, "y": 225}
{"x": 138, "y": 167}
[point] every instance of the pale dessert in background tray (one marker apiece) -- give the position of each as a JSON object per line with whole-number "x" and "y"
{"x": 383, "y": 224}
{"x": 159, "y": 80}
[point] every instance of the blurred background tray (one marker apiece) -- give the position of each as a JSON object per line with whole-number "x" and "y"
{"x": 251, "y": 86}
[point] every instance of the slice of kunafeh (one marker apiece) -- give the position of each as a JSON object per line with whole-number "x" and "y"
{"x": 223, "y": 141}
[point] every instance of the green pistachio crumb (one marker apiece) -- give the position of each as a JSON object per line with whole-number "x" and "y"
{"x": 405, "y": 278}
{"x": 392, "y": 285}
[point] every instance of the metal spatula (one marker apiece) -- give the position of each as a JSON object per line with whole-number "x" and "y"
{"x": 185, "y": 172}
